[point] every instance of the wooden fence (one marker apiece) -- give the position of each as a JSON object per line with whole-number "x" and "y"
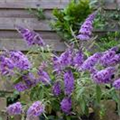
{"x": 14, "y": 12}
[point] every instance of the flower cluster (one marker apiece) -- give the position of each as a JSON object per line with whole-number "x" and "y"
{"x": 65, "y": 60}
{"x": 116, "y": 84}
{"x": 13, "y": 59}
{"x": 36, "y": 109}
{"x": 90, "y": 62}
{"x": 68, "y": 82}
{"x": 56, "y": 88}
{"x": 31, "y": 37}
{"x": 104, "y": 76}
{"x": 110, "y": 58}
{"x": 66, "y": 105}
{"x": 78, "y": 59}
{"x": 14, "y": 109}
{"x": 20, "y": 60}
{"x": 85, "y": 31}
{"x": 6, "y": 65}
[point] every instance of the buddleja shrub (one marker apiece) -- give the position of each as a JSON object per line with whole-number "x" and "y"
{"x": 65, "y": 86}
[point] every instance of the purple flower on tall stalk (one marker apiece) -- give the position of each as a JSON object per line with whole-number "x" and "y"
{"x": 90, "y": 62}
{"x": 31, "y": 37}
{"x": 20, "y": 60}
{"x": 104, "y": 76}
{"x": 66, "y": 105}
{"x": 85, "y": 31}
{"x": 14, "y": 109}
{"x": 56, "y": 88}
{"x": 68, "y": 82}
{"x": 6, "y": 65}
{"x": 36, "y": 109}
{"x": 43, "y": 76}
{"x": 116, "y": 84}
{"x": 78, "y": 59}
{"x": 110, "y": 58}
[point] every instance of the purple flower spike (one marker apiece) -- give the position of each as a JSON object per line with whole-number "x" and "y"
{"x": 85, "y": 31}
{"x": 104, "y": 76}
{"x": 43, "y": 76}
{"x": 65, "y": 60}
{"x": 66, "y": 105}
{"x": 14, "y": 109}
{"x": 20, "y": 60}
{"x": 56, "y": 88}
{"x": 21, "y": 86}
{"x": 31, "y": 37}
{"x": 110, "y": 58}
{"x": 68, "y": 82}
{"x": 36, "y": 109}
{"x": 116, "y": 84}
{"x": 91, "y": 62}
{"x": 78, "y": 59}
{"x": 6, "y": 65}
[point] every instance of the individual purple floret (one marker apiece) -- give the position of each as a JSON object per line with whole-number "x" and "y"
{"x": 90, "y": 62}
{"x": 78, "y": 59}
{"x": 36, "y": 109}
{"x": 6, "y": 65}
{"x": 85, "y": 31}
{"x": 30, "y": 36}
{"x": 103, "y": 76}
{"x": 20, "y": 60}
{"x": 43, "y": 76}
{"x": 110, "y": 58}
{"x": 116, "y": 84}
{"x": 56, "y": 88}
{"x": 68, "y": 82}
{"x": 66, "y": 105}
{"x": 14, "y": 109}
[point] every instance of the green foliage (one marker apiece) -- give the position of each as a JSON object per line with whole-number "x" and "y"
{"x": 107, "y": 19}
{"x": 38, "y": 13}
{"x": 71, "y": 16}
{"x": 108, "y": 40}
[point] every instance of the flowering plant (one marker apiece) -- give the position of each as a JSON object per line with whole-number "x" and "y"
{"x": 67, "y": 86}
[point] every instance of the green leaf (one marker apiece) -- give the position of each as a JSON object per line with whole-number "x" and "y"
{"x": 79, "y": 93}
{"x": 98, "y": 94}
